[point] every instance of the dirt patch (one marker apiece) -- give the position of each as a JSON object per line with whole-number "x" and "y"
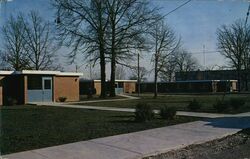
{"x": 231, "y": 147}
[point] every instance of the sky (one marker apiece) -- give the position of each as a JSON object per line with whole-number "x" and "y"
{"x": 196, "y": 23}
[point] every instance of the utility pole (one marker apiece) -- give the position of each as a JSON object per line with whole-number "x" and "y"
{"x": 204, "y": 62}
{"x": 76, "y": 68}
{"x": 204, "y": 57}
{"x": 138, "y": 76}
{"x": 90, "y": 71}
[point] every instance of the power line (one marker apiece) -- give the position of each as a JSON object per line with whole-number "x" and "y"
{"x": 177, "y": 8}
{"x": 247, "y": 14}
{"x": 206, "y": 52}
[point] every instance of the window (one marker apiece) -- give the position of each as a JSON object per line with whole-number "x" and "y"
{"x": 34, "y": 82}
{"x": 47, "y": 84}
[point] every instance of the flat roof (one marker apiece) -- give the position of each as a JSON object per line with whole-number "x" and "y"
{"x": 40, "y": 72}
{"x": 118, "y": 80}
{"x": 193, "y": 81}
{"x": 6, "y": 72}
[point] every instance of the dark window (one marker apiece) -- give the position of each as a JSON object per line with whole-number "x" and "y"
{"x": 47, "y": 84}
{"x": 120, "y": 84}
{"x": 34, "y": 82}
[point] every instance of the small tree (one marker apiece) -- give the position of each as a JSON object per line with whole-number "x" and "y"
{"x": 185, "y": 62}
{"x": 142, "y": 76}
{"x": 39, "y": 43}
{"x": 164, "y": 43}
{"x": 120, "y": 73}
{"x": 167, "y": 73}
{"x": 13, "y": 53}
{"x": 234, "y": 44}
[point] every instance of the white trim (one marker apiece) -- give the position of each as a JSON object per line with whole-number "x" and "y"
{"x": 6, "y": 72}
{"x": 126, "y": 80}
{"x": 39, "y": 72}
{"x": 69, "y": 74}
{"x": 118, "y": 80}
{"x": 57, "y": 73}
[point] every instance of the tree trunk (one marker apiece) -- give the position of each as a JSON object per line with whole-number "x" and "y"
{"x": 238, "y": 78}
{"x": 156, "y": 75}
{"x": 103, "y": 75}
{"x": 113, "y": 55}
{"x": 112, "y": 77}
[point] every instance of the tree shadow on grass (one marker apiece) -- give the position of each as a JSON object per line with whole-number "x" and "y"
{"x": 230, "y": 122}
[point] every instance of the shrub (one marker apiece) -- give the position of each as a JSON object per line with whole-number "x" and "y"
{"x": 236, "y": 103}
{"x": 11, "y": 101}
{"x": 62, "y": 99}
{"x": 143, "y": 112}
{"x": 194, "y": 105}
{"x": 220, "y": 105}
{"x": 167, "y": 112}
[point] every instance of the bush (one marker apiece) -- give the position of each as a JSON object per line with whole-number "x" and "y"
{"x": 143, "y": 112}
{"x": 194, "y": 105}
{"x": 236, "y": 103}
{"x": 11, "y": 101}
{"x": 167, "y": 112}
{"x": 62, "y": 99}
{"x": 220, "y": 105}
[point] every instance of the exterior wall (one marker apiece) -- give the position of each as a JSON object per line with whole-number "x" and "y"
{"x": 13, "y": 90}
{"x": 25, "y": 90}
{"x": 65, "y": 86}
{"x": 1, "y": 90}
{"x": 129, "y": 87}
{"x": 234, "y": 86}
{"x": 97, "y": 86}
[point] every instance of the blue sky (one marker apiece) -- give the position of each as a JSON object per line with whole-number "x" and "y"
{"x": 196, "y": 22}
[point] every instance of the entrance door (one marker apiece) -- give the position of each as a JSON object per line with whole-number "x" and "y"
{"x": 47, "y": 89}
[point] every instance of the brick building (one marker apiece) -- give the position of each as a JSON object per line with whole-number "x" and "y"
{"x": 122, "y": 86}
{"x": 244, "y": 80}
{"x": 26, "y": 86}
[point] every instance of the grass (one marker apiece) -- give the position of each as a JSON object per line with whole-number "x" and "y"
{"x": 30, "y": 127}
{"x": 96, "y": 97}
{"x": 180, "y": 102}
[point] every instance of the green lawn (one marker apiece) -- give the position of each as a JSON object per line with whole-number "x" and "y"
{"x": 180, "y": 102}
{"x": 96, "y": 97}
{"x": 31, "y": 127}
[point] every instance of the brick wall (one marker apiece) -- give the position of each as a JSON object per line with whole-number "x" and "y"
{"x": 66, "y": 87}
{"x": 129, "y": 87}
{"x": 97, "y": 86}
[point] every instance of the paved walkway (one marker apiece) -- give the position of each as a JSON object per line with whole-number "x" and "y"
{"x": 180, "y": 113}
{"x": 140, "y": 144}
{"x": 144, "y": 143}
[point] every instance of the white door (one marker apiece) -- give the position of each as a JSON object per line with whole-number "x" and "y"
{"x": 47, "y": 89}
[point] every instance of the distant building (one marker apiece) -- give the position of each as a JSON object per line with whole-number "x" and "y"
{"x": 195, "y": 86}
{"x": 215, "y": 75}
{"x": 94, "y": 86}
{"x": 206, "y": 75}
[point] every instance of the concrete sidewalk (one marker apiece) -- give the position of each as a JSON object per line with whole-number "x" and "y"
{"x": 141, "y": 144}
{"x": 180, "y": 113}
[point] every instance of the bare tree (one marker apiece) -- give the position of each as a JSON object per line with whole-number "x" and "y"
{"x": 234, "y": 44}
{"x": 13, "y": 53}
{"x": 127, "y": 23}
{"x": 142, "y": 76}
{"x": 81, "y": 25}
{"x": 164, "y": 44}
{"x": 120, "y": 73}
{"x": 39, "y": 43}
{"x": 167, "y": 72}
{"x": 185, "y": 62}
